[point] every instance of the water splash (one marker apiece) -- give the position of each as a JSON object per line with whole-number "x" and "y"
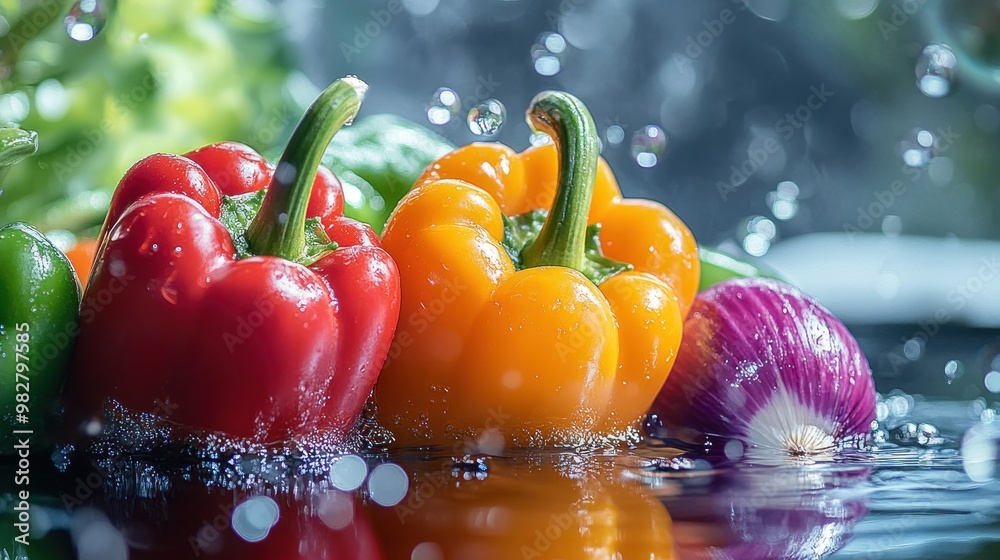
{"x": 486, "y": 118}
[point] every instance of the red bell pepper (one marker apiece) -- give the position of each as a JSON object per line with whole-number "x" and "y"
{"x": 262, "y": 316}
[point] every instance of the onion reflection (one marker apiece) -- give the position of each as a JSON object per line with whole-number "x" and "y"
{"x": 772, "y": 512}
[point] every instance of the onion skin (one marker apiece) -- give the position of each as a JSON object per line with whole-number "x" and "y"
{"x": 763, "y": 363}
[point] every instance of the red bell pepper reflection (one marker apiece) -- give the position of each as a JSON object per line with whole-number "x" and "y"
{"x": 223, "y": 525}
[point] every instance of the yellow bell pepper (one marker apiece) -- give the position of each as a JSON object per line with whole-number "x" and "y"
{"x": 536, "y": 328}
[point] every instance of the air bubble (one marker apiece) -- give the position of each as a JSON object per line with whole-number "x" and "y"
{"x": 614, "y": 135}
{"x": 486, "y": 118}
{"x": 918, "y": 148}
{"x": 253, "y": 519}
{"x": 936, "y": 70}
{"x": 85, "y": 20}
{"x": 388, "y": 484}
{"x": 443, "y": 106}
{"x": 648, "y": 144}
{"x": 546, "y": 53}
{"x": 953, "y": 370}
{"x": 539, "y": 139}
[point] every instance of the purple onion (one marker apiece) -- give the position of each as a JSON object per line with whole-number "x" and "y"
{"x": 763, "y": 363}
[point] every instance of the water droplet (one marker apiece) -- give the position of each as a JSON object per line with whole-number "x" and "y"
{"x": 546, "y": 53}
{"x": 468, "y": 467}
{"x": 953, "y": 369}
{"x": 733, "y": 450}
{"x": 913, "y": 349}
{"x": 539, "y": 139}
{"x": 62, "y": 456}
{"x": 117, "y": 268}
{"x": 388, "y": 484}
{"x": 936, "y": 70}
{"x": 856, "y": 9}
{"x": 615, "y": 135}
{"x": 918, "y": 148}
{"x": 85, "y": 20}
{"x": 443, "y": 106}
{"x": 648, "y": 144}
{"x": 992, "y": 381}
{"x": 14, "y": 106}
{"x": 928, "y": 435}
{"x": 904, "y": 434}
{"x": 335, "y": 510}
{"x": 420, "y": 7}
{"x": 348, "y": 473}
{"x": 892, "y": 225}
{"x": 486, "y": 118}
{"x": 51, "y": 99}
{"x": 253, "y": 519}
{"x": 784, "y": 200}
{"x": 757, "y": 234}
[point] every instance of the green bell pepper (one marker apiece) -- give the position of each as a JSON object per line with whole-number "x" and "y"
{"x": 717, "y": 266}
{"x": 39, "y": 313}
{"x": 378, "y": 159}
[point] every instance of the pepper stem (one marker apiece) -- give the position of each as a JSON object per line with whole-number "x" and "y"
{"x": 278, "y": 229}
{"x": 563, "y": 237}
{"x": 16, "y": 144}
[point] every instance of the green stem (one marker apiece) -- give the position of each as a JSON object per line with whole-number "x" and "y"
{"x": 15, "y": 145}
{"x": 278, "y": 229}
{"x": 563, "y": 237}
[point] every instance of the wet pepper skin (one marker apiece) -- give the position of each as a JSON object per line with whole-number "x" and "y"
{"x": 262, "y": 347}
{"x": 541, "y": 351}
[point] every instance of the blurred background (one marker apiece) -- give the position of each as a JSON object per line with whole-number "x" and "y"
{"x": 849, "y": 145}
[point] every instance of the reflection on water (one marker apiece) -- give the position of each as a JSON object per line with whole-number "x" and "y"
{"x": 934, "y": 498}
